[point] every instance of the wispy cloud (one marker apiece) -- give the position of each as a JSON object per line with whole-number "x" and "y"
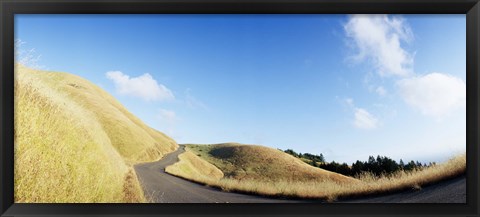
{"x": 168, "y": 116}
{"x": 434, "y": 94}
{"x": 381, "y": 91}
{"x": 362, "y": 118}
{"x": 144, "y": 86}
{"x": 192, "y": 102}
{"x": 27, "y": 56}
{"x": 349, "y": 102}
{"x": 378, "y": 38}
{"x": 168, "y": 121}
{"x": 365, "y": 120}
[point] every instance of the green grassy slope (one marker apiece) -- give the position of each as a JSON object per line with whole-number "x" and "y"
{"x": 76, "y": 143}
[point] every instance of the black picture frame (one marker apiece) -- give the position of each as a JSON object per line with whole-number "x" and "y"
{"x": 8, "y": 8}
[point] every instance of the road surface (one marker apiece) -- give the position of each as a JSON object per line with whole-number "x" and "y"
{"x": 451, "y": 191}
{"x": 161, "y": 187}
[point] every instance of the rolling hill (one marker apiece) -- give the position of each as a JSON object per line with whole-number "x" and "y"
{"x": 270, "y": 172}
{"x": 76, "y": 143}
{"x": 254, "y": 162}
{"x": 257, "y": 170}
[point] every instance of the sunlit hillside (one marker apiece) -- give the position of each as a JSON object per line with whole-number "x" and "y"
{"x": 253, "y": 162}
{"x": 265, "y": 171}
{"x": 255, "y": 169}
{"x": 195, "y": 168}
{"x": 75, "y": 143}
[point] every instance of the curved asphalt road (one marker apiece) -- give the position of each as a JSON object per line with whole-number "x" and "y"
{"x": 161, "y": 187}
{"x": 450, "y": 191}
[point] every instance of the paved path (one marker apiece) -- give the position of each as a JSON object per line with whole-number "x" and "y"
{"x": 451, "y": 191}
{"x": 162, "y": 187}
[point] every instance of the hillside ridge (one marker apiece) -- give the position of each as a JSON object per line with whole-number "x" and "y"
{"x": 82, "y": 141}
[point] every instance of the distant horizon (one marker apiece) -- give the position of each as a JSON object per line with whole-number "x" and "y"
{"x": 346, "y": 86}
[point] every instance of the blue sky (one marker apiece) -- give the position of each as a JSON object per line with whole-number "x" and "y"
{"x": 347, "y": 86}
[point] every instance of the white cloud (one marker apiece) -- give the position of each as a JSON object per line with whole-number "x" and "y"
{"x": 193, "y": 102}
{"x": 434, "y": 94}
{"x": 144, "y": 86}
{"x": 168, "y": 121}
{"x": 362, "y": 118}
{"x": 349, "y": 102}
{"x": 365, "y": 120}
{"x": 168, "y": 115}
{"x": 381, "y": 91}
{"x": 378, "y": 38}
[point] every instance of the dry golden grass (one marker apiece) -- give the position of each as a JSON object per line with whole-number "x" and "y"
{"x": 198, "y": 169}
{"x": 253, "y": 162}
{"x": 71, "y": 143}
{"x": 134, "y": 140}
{"x": 132, "y": 191}
{"x": 306, "y": 187}
{"x": 402, "y": 180}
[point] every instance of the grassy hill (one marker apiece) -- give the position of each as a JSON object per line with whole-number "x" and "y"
{"x": 270, "y": 172}
{"x": 196, "y": 168}
{"x": 257, "y": 170}
{"x": 253, "y": 162}
{"x": 75, "y": 143}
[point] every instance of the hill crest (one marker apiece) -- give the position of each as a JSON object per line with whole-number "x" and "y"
{"x": 257, "y": 162}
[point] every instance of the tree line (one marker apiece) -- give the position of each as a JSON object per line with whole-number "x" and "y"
{"x": 378, "y": 166}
